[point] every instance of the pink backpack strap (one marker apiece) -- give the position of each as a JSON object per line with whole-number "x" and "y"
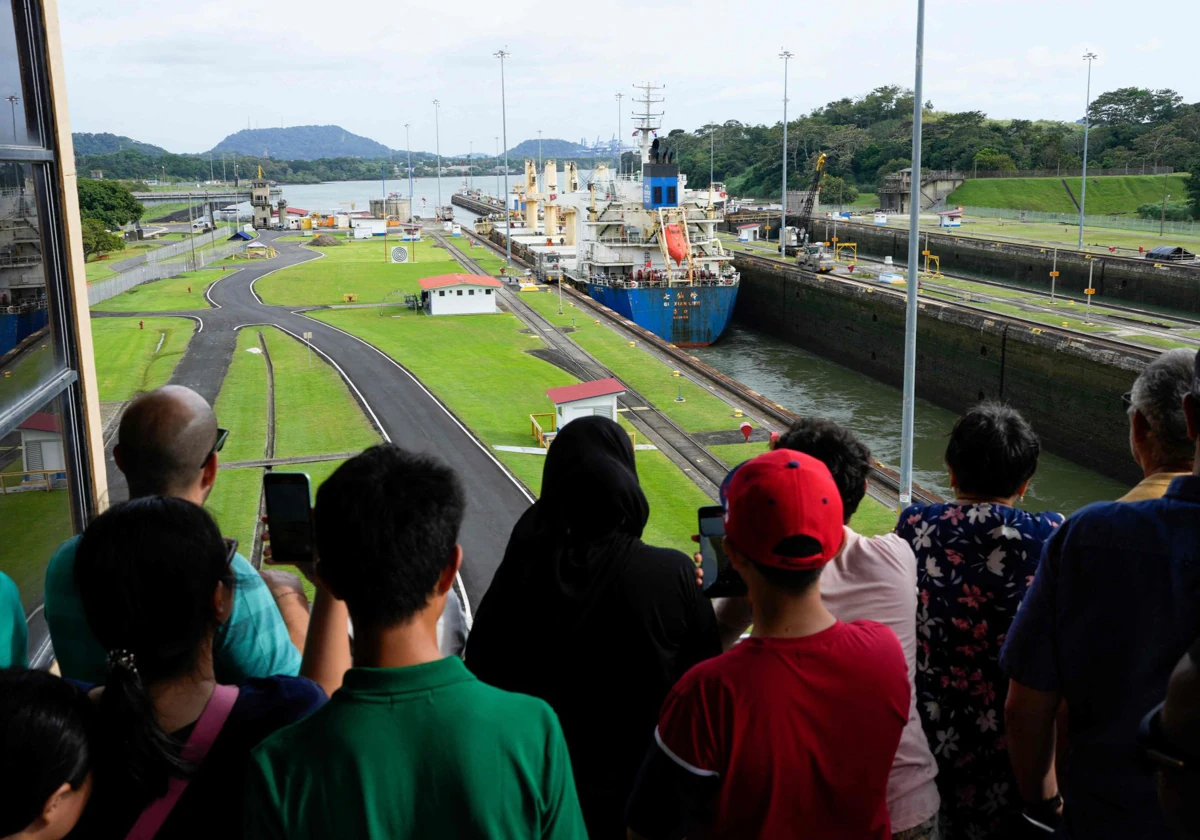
{"x": 204, "y": 733}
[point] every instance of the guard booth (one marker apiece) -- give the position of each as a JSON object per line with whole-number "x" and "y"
{"x": 585, "y": 400}
{"x": 747, "y": 233}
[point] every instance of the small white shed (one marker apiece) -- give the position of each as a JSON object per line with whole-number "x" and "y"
{"x": 460, "y": 294}
{"x": 747, "y": 233}
{"x": 42, "y": 444}
{"x": 585, "y": 399}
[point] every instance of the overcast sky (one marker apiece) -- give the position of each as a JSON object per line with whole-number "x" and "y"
{"x": 184, "y": 75}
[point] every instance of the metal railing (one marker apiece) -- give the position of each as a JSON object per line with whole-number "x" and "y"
{"x": 1093, "y": 172}
{"x": 28, "y": 480}
{"x": 1072, "y": 219}
{"x": 159, "y": 270}
{"x": 539, "y": 434}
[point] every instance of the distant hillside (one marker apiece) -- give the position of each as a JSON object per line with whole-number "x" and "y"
{"x": 551, "y": 148}
{"x": 1110, "y": 194}
{"x": 105, "y": 143}
{"x": 302, "y": 142}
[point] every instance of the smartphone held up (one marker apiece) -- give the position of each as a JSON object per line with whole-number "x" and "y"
{"x": 289, "y": 513}
{"x": 721, "y": 580}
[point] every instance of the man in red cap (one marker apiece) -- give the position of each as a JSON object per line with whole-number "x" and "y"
{"x": 792, "y": 732}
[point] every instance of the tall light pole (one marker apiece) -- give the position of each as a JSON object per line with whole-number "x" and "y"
{"x": 497, "y": 139}
{"x": 785, "y": 55}
{"x": 471, "y": 166}
{"x": 1089, "y": 57}
{"x": 620, "y": 137}
{"x": 408, "y": 146}
{"x": 910, "y": 313}
{"x": 503, "y": 54}
{"x": 437, "y": 135}
{"x": 539, "y": 152}
{"x": 13, "y": 99}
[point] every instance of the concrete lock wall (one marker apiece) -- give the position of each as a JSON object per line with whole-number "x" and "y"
{"x": 1122, "y": 279}
{"x": 1068, "y": 388}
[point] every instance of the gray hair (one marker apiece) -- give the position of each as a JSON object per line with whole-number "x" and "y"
{"x": 1158, "y": 396}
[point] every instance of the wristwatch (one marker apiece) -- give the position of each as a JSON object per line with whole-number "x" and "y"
{"x": 1044, "y": 814}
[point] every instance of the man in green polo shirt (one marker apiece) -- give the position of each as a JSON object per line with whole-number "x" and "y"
{"x": 412, "y": 745}
{"x": 167, "y": 446}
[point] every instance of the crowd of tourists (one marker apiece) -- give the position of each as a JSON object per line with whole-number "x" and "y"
{"x": 983, "y": 671}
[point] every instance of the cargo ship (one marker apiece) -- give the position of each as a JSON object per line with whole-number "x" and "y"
{"x": 640, "y": 242}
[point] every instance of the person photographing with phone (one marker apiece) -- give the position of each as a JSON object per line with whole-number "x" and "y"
{"x": 798, "y": 724}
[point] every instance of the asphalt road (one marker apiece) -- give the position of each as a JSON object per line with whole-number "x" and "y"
{"x": 393, "y": 399}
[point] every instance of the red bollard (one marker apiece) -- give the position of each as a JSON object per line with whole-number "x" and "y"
{"x": 774, "y": 439}
{"x": 746, "y": 429}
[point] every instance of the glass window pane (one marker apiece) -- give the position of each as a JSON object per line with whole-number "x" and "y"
{"x": 14, "y": 128}
{"x": 35, "y": 502}
{"x": 28, "y": 355}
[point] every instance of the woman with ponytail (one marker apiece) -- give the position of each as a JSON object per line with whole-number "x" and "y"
{"x": 154, "y": 575}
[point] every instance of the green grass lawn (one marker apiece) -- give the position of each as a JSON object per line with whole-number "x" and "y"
{"x": 1107, "y": 195}
{"x": 161, "y": 211}
{"x": 315, "y": 413}
{"x": 701, "y": 411}
{"x": 129, "y": 360}
{"x": 31, "y": 368}
{"x": 242, "y": 403}
{"x": 481, "y": 254}
{"x": 357, "y": 268}
{"x": 166, "y": 295}
{"x": 96, "y": 271}
{"x": 31, "y": 526}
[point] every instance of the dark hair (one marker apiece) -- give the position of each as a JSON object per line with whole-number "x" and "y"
{"x": 791, "y": 581}
{"x": 147, "y": 571}
{"x": 44, "y": 727}
{"x": 387, "y": 522}
{"x": 992, "y": 450}
{"x": 848, "y": 458}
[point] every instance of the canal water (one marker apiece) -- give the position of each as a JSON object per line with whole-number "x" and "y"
{"x": 809, "y": 385}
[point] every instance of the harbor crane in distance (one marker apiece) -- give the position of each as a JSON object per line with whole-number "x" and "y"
{"x": 810, "y": 255}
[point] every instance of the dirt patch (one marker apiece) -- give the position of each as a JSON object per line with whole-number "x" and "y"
{"x": 324, "y": 240}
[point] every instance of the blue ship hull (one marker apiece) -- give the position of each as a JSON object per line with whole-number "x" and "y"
{"x": 686, "y": 316}
{"x": 16, "y": 328}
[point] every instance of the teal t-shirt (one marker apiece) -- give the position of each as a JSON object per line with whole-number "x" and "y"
{"x": 424, "y": 751}
{"x": 14, "y": 635}
{"x": 254, "y": 642}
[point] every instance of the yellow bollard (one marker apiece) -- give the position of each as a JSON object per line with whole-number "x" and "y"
{"x": 737, "y": 412}
{"x": 675, "y": 373}
{"x": 633, "y": 344}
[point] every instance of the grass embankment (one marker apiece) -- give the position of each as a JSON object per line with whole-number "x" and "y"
{"x": 491, "y": 347}
{"x": 32, "y": 525}
{"x": 1106, "y": 195}
{"x": 169, "y": 295}
{"x": 130, "y": 360}
{"x": 355, "y": 268}
{"x": 485, "y": 257}
{"x": 158, "y": 212}
{"x": 242, "y": 403}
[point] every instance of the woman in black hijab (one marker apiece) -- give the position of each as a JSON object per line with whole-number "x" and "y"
{"x": 586, "y": 616}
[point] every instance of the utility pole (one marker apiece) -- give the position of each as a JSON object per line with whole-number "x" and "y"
{"x": 438, "y": 141}
{"x": 408, "y": 147}
{"x": 1162, "y": 218}
{"x": 620, "y": 136}
{"x": 1089, "y": 57}
{"x": 13, "y": 99}
{"x": 914, "y": 241}
{"x": 786, "y": 56}
{"x": 539, "y": 153}
{"x": 503, "y": 54}
{"x": 471, "y": 166}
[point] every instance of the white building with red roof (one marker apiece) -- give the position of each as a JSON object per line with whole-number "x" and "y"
{"x": 42, "y": 444}
{"x": 585, "y": 399}
{"x": 460, "y": 294}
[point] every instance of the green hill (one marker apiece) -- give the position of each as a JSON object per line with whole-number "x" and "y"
{"x": 1108, "y": 195}
{"x": 105, "y": 143}
{"x": 302, "y": 142}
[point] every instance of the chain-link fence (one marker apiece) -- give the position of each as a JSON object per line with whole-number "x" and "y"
{"x": 1115, "y": 222}
{"x": 162, "y": 268}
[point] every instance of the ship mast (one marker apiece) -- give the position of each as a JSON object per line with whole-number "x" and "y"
{"x": 647, "y": 121}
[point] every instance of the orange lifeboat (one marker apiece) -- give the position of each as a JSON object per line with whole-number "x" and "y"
{"x": 676, "y": 246}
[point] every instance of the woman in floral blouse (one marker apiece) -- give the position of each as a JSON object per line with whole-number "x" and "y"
{"x": 975, "y": 558}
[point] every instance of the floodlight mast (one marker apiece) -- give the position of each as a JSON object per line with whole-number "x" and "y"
{"x": 1089, "y": 57}
{"x": 503, "y": 54}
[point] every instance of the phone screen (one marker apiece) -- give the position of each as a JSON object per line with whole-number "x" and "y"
{"x": 289, "y": 517}
{"x": 721, "y": 580}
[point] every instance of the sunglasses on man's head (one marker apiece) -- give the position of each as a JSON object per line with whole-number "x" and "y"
{"x": 1127, "y": 400}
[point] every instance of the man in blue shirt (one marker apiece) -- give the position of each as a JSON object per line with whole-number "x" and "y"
{"x": 167, "y": 446}
{"x": 1114, "y": 604}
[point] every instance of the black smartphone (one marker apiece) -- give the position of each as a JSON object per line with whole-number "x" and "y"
{"x": 721, "y": 580}
{"x": 289, "y": 517}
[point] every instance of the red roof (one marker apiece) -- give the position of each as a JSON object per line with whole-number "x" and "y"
{"x": 585, "y": 390}
{"x": 42, "y": 422}
{"x": 296, "y": 211}
{"x": 443, "y": 280}
{"x": 746, "y": 227}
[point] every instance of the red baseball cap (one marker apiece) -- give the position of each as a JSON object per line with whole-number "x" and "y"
{"x": 783, "y": 509}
